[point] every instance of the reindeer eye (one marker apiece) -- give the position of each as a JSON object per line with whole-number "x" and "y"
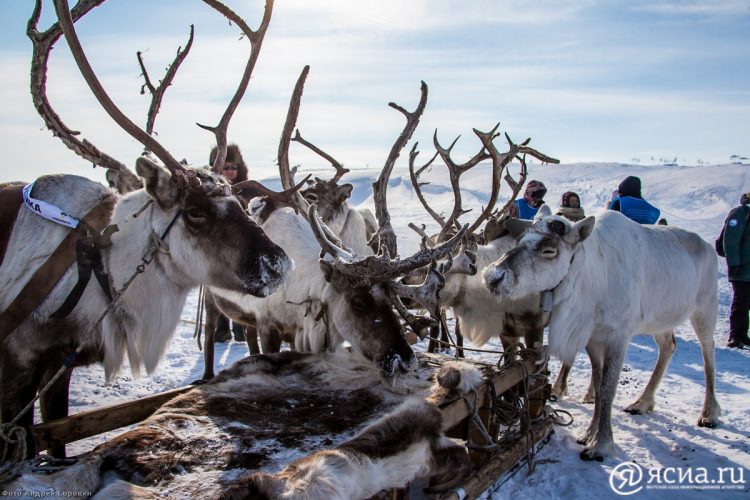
{"x": 359, "y": 304}
{"x": 313, "y": 198}
{"x": 196, "y": 215}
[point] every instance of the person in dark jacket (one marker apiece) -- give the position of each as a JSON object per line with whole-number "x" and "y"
{"x": 632, "y": 205}
{"x": 234, "y": 170}
{"x": 570, "y": 207}
{"x": 736, "y": 243}
{"x": 533, "y": 199}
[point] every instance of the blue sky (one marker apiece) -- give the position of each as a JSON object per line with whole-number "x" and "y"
{"x": 587, "y": 80}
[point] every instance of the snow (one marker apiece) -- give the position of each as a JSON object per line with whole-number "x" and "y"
{"x": 694, "y": 197}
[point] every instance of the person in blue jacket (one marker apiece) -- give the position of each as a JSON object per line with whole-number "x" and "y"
{"x": 736, "y": 242}
{"x": 533, "y": 199}
{"x": 632, "y": 205}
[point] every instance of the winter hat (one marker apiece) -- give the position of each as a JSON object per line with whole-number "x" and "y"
{"x": 631, "y": 186}
{"x": 534, "y": 193}
{"x": 745, "y": 199}
{"x": 234, "y": 155}
{"x": 567, "y": 196}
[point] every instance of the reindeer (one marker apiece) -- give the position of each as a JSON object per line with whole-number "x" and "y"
{"x": 186, "y": 223}
{"x": 611, "y": 279}
{"x": 352, "y": 297}
{"x": 355, "y": 228}
{"x": 478, "y": 314}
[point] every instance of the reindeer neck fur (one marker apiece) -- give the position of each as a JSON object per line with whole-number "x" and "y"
{"x": 337, "y": 219}
{"x": 353, "y": 233}
{"x": 147, "y": 314}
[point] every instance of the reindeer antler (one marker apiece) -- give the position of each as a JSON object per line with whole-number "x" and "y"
{"x": 157, "y": 93}
{"x": 414, "y": 175}
{"x": 340, "y": 170}
{"x": 76, "y": 49}
{"x": 387, "y": 238}
{"x": 455, "y": 171}
{"x": 287, "y": 178}
{"x": 42, "y": 46}
{"x": 256, "y": 40}
{"x": 286, "y": 197}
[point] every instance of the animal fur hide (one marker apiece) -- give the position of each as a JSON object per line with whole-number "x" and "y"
{"x": 232, "y": 437}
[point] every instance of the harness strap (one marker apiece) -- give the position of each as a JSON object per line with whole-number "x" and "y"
{"x": 49, "y": 274}
{"x": 89, "y": 258}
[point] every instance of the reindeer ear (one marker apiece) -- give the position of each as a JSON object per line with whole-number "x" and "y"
{"x": 343, "y": 192}
{"x": 159, "y": 183}
{"x": 582, "y": 229}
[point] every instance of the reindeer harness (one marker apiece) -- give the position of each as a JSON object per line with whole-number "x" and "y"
{"x": 83, "y": 244}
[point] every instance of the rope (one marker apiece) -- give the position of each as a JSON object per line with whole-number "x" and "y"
{"x": 10, "y": 432}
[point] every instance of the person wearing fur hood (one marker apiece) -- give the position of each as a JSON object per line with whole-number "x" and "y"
{"x": 235, "y": 169}
{"x": 570, "y": 207}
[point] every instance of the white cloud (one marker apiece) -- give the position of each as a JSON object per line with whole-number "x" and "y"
{"x": 703, "y": 8}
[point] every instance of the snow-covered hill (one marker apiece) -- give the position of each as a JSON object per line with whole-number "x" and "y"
{"x": 696, "y": 198}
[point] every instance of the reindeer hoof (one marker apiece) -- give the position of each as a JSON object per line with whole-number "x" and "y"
{"x": 588, "y": 456}
{"x": 708, "y": 423}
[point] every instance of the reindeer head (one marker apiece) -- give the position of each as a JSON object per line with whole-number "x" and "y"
{"x": 540, "y": 260}
{"x": 329, "y": 196}
{"x": 210, "y": 238}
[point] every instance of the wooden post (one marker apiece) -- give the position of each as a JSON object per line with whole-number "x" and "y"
{"x": 90, "y": 423}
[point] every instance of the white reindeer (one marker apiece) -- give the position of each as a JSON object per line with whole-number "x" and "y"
{"x": 613, "y": 278}
{"x": 478, "y": 314}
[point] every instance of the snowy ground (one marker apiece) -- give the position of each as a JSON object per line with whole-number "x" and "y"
{"x": 696, "y": 198}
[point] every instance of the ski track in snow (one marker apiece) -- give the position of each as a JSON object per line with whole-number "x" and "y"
{"x": 696, "y": 198}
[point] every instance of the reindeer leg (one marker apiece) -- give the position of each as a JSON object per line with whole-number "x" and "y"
{"x": 459, "y": 339}
{"x": 560, "y": 388}
{"x": 251, "y": 337}
{"x": 212, "y": 313}
{"x": 645, "y": 403}
{"x": 432, "y": 345}
{"x": 596, "y": 376}
{"x": 18, "y": 385}
{"x": 602, "y": 444}
{"x": 54, "y": 402}
{"x": 596, "y": 355}
{"x": 444, "y": 346}
{"x": 270, "y": 338}
{"x": 704, "y": 324}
